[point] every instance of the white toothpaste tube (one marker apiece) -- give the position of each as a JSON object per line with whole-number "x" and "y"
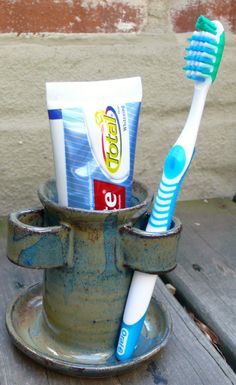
{"x": 94, "y": 129}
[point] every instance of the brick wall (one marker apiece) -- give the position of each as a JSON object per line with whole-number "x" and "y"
{"x": 73, "y": 16}
{"x": 109, "y": 16}
{"x": 184, "y": 14}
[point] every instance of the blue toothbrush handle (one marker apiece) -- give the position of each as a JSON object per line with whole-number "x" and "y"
{"x": 138, "y": 299}
{"x": 175, "y": 169}
{"x": 128, "y": 339}
{"x": 163, "y": 208}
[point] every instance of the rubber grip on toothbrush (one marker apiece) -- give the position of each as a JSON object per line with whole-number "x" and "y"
{"x": 128, "y": 339}
{"x": 164, "y": 204}
{"x": 139, "y": 296}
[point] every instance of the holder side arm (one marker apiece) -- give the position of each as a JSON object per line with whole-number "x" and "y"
{"x": 31, "y": 244}
{"x": 150, "y": 252}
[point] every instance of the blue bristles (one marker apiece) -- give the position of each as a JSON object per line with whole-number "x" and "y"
{"x": 196, "y": 77}
{"x": 196, "y": 68}
{"x": 203, "y": 39}
{"x": 201, "y": 48}
{"x": 199, "y": 58}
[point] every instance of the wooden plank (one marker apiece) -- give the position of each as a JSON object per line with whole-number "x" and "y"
{"x": 205, "y": 277}
{"x": 187, "y": 359}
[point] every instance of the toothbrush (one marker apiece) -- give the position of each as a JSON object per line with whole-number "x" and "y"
{"x": 203, "y": 60}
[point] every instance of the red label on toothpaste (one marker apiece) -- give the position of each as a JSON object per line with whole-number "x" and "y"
{"x": 108, "y": 196}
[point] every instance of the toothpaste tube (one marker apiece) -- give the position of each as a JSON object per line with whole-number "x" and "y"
{"x": 94, "y": 129}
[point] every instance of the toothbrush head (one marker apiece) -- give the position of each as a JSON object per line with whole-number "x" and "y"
{"x": 205, "y": 50}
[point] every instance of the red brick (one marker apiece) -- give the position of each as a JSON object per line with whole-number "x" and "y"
{"x": 184, "y": 19}
{"x": 71, "y": 16}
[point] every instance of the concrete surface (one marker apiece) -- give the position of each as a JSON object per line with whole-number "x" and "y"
{"x": 27, "y": 61}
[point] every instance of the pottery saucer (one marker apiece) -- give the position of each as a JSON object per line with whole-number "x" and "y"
{"x": 25, "y": 325}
